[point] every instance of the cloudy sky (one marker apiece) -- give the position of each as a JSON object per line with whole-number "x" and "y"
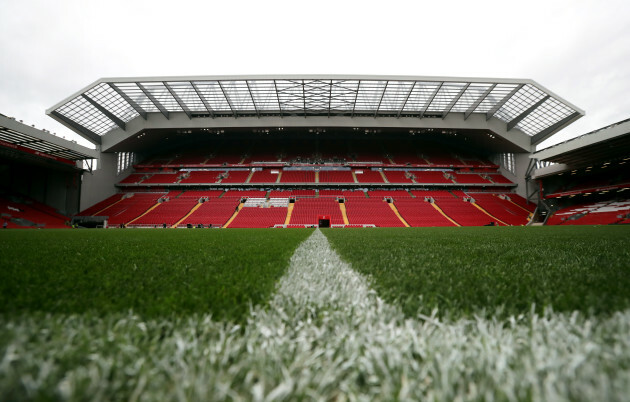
{"x": 579, "y": 49}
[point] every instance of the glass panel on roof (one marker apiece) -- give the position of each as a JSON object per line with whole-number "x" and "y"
{"x": 84, "y": 113}
{"x": 447, "y": 93}
{"x": 136, "y": 95}
{"x": 395, "y": 95}
{"x": 162, "y": 95}
{"x": 494, "y": 97}
{"x": 520, "y": 102}
{"x": 470, "y": 96}
{"x": 187, "y": 94}
{"x": 238, "y": 95}
{"x": 343, "y": 94}
{"x": 317, "y": 95}
{"x": 370, "y": 93}
{"x": 546, "y": 115}
{"x": 420, "y": 95}
{"x": 111, "y": 100}
{"x": 291, "y": 94}
{"x": 213, "y": 94}
{"x": 264, "y": 94}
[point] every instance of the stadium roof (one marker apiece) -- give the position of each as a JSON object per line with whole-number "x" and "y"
{"x": 111, "y": 103}
{"x": 27, "y": 139}
{"x": 606, "y": 144}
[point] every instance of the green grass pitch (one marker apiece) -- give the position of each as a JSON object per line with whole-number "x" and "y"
{"x": 167, "y": 315}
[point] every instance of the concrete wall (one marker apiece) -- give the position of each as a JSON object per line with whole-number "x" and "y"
{"x": 100, "y": 184}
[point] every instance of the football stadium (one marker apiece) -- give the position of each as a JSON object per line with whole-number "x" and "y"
{"x": 314, "y": 237}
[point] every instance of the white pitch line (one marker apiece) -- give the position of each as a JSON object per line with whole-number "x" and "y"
{"x": 324, "y": 335}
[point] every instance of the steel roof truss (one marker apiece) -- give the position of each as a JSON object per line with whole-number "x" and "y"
{"x": 178, "y": 100}
{"x": 448, "y": 108}
{"x": 541, "y": 136}
{"x": 227, "y": 98}
{"x": 249, "y": 89}
{"x": 483, "y": 96}
{"x": 130, "y": 101}
{"x": 512, "y": 123}
{"x": 433, "y": 95}
{"x": 503, "y": 101}
{"x": 106, "y": 112}
{"x": 153, "y": 99}
{"x": 381, "y": 100}
{"x": 356, "y": 96}
{"x": 83, "y": 131}
{"x": 203, "y": 99}
{"x": 406, "y": 99}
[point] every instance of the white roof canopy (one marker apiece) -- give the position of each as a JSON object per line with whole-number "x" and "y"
{"x": 110, "y": 103}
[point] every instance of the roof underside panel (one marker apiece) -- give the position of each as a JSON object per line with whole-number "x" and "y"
{"x": 521, "y": 104}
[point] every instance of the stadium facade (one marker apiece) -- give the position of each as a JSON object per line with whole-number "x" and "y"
{"x": 387, "y": 137}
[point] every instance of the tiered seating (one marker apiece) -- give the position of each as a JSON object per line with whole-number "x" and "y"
{"x": 130, "y": 208}
{"x": 245, "y": 193}
{"x": 202, "y": 176}
{"x": 22, "y": 213}
{"x": 169, "y": 212}
{"x": 264, "y": 176}
{"x": 441, "y": 159}
{"x": 430, "y": 176}
{"x": 396, "y": 176}
{"x": 369, "y": 176}
{"x": 190, "y": 159}
{"x": 256, "y": 217}
{"x": 599, "y": 213}
{"x": 502, "y": 209}
{"x": 215, "y": 212}
{"x": 380, "y": 194}
{"x": 463, "y": 212}
{"x": 132, "y": 178}
{"x": 371, "y": 212}
{"x": 335, "y": 176}
{"x": 470, "y": 178}
{"x": 225, "y": 158}
{"x": 94, "y": 209}
{"x": 165, "y": 178}
{"x": 173, "y": 194}
{"x": 418, "y": 213}
{"x": 306, "y": 211}
{"x": 235, "y": 176}
{"x": 292, "y": 193}
{"x": 333, "y": 193}
{"x": 298, "y": 176}
{"x": 351, "y": 194}
{"x": 201, "y": 193}
{"x": 499, "y": 178}
{"x": 436, "y": 194}
{"x": 522, "y": 202}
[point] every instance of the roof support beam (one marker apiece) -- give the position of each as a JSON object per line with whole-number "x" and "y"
{"x": 227, "y": 99}
{"x": 178, "y": 100}
{"x": 153, "y": 99}
{"x": 381, "y": 100}
{"x": 406, "y": 99}
{"x": 512, "y": 123}
{"x": 433, "y": 95}
{"x": 278, "y": 97}
{"x": 106, "y": 112}
{"x": 503, "y": 101}
{"x": 130, "y": 101}
{"x": 452, "y": 103}
{"x": 304, "y": 97}
{"x": 472, "y": 107}
{"x": 82, "y": 131}
{"x": 546, "y": 133}
{"x": 330, "y": 97}
{"x": 251, "y": 95}
{"x": 203, "y": 99}
{"x": 356, "y": 96}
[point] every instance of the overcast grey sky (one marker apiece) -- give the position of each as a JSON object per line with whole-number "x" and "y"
{"x": 579, "y": 49}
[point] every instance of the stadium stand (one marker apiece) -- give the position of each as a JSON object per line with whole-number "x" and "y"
{"x": 595, "y": 213}
{"x": 200, "y": 176}
{"x": 464, "y": 213}
{"x": 298, "y": 176}
{"x": 307, "y": 211}
{"x": 234, "y": 176}
{"x": 130, "y": 208}
{"x": 259, "y": 217}
{"x": 368, "y": 176}
{"x": 21, "y": 212}
{"x": 419, "y": 213}
{"x": 380, "y": 194}
{"x": 335, "y": 176}
{"x": 396, "y": 176}
{"x": 214, "y": 212}
{"x": 371, "y": 212}
{"x": 168, "y": 213}
{"x": 502, "y": 209}
{"x": 100, "y": 206}
{"x": 264, "y": 176}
